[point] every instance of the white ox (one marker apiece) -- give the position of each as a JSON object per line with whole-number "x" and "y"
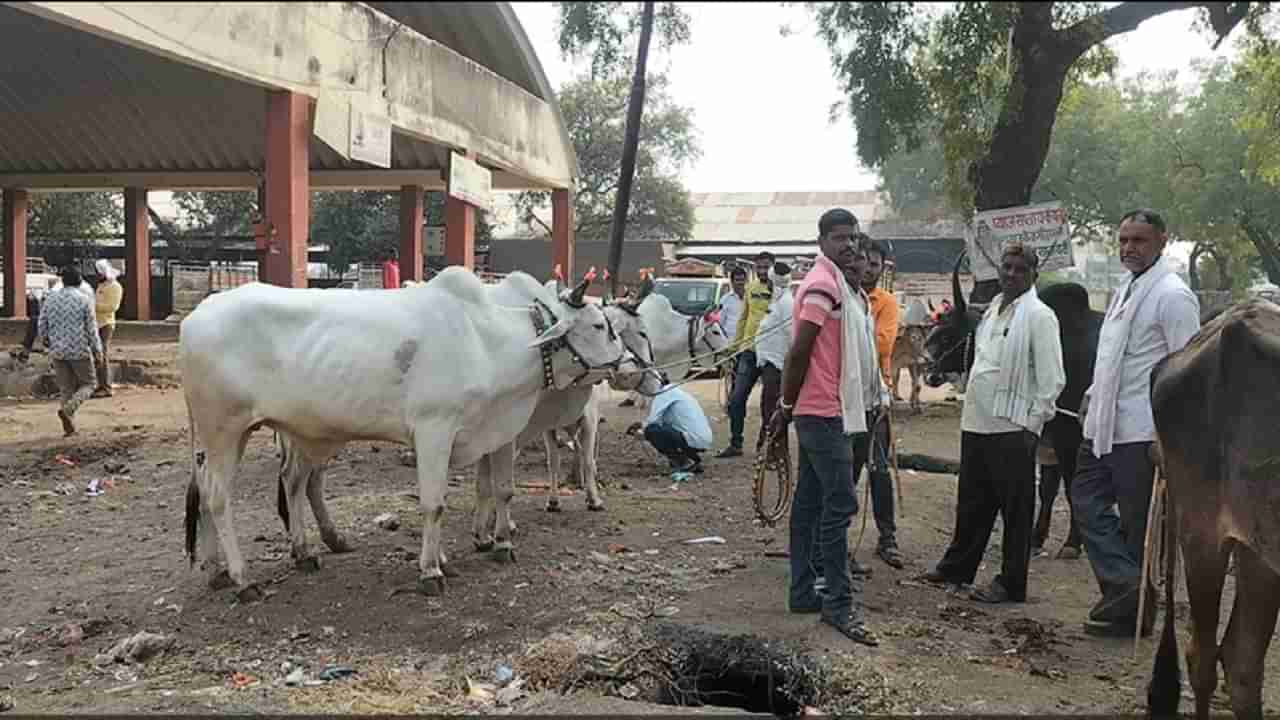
{"x": 556, "y": 407}
{"x": 329, "y": 367}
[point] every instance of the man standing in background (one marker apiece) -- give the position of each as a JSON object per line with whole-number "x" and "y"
{"x": 106, "y": 303}
{"x": 759, "y": 295}
{"x": 884, "y": 314}
{"x": 772, "y": 345}
{"x": 68, "y": 327}
{"x": 731, "y": 304}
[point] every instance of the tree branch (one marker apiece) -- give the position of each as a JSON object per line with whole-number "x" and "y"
{"x": 1125, "y": 17}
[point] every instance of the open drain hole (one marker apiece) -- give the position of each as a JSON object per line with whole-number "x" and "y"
{"x": 739, "y": 671}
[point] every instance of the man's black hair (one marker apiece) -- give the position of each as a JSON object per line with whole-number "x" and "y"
{"x": 765, "y": 255}
{"x": 71, "y": 276}
{"x": 781, "y": 269}
{"x": 871, "y": 245}
{"x": 737, "y": 270}
{"x": 1143, "y": 215}
{"x": 834, "y": 217}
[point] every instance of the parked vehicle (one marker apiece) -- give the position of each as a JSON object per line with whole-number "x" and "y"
{"x": 693, "y": 296}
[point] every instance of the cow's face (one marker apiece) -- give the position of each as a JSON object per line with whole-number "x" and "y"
{"x": 584, "y": 329}
{"x": 711, "y": 338}
{"x": 635, "y": 372}
{"x": 948, "y": 349}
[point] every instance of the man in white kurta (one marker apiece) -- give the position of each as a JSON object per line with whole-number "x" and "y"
{"x": 1153, "y": 315}
{"x": 1013, "y": 390}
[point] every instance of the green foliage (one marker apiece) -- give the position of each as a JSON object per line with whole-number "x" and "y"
{"x": 73, "y": 217}
{"x": 219, "y": 214}
{"x": 595, "y": 112}
{"x": 602, "y": 30}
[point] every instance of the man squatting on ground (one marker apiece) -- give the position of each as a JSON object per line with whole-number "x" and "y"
{"x": 1012, "y": 392}
{"x": 68, "y": 327}
{"x": 833, "y": 388}
{"x": 677, "y": 428}
{"x": 1154, "y": 315}
{"x": 754, "y": 308}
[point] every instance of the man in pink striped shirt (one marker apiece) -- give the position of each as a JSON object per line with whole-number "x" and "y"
{"x": 825, "y": 498}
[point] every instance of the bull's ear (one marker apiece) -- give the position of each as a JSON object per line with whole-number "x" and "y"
{"x": 555, "y": 332}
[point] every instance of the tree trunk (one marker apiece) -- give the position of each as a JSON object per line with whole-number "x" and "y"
{"x": 635, "y": 108}
{"x": 1266, "y": 245}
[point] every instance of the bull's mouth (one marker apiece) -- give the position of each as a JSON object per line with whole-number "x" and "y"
{"x": 935, "y": 380}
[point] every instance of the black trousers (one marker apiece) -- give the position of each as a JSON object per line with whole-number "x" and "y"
{"x": 997, "y": 475}
{"x": 671, "y": 443}
{"x": 770, "y": 394}
{"x": 743, "y": 383}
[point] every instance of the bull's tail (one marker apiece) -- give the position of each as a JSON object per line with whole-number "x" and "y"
{"x": 282, "y": 503}
{"x": 1165, "y": 689}
{"x": 193, "y": 492}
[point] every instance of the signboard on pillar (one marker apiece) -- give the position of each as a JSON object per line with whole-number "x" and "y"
{"x": 470, "y": 183}
{"x": 369, "y": 138}
{"x": 433, "y": 242}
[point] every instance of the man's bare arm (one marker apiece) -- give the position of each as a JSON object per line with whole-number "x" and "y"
{"x": 797, "y": 362}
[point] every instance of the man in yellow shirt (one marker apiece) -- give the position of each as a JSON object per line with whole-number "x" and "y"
{"x": 884, "y": 311}
{"x": 754, "y": 308}
{"x": 106, "y": 303}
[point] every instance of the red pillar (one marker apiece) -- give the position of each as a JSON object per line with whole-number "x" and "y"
{"x": 288, "y": 188}
{"x": 136, "y": 304}
{"x": 459, "y": 231}
{"x": 411, "y": 219}
{"x": 15, "y": 253}
{"x": 562, "y": 232}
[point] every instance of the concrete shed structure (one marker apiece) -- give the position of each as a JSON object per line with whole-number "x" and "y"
{"x": 280, "y": 97}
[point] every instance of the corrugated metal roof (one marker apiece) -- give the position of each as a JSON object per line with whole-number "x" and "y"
{"x": 71, "y": 101}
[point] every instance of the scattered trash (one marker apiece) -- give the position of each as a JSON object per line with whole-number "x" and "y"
{"x": 327, "y": 629}
{"x": 601, "y": 557}
{"x": 503, "y": 675}
{"x": 666, "y": 611}
{"x": 115, "y": 468}
{"x": 98, "y": 486}
{"x": 629, "y": 691}
{"x": 6, "y": 703}
{"x": 70, "y": 634}
{"x": 709, "y": 540}
{"x": 240, "y": 681}
{"x": 31, "y": 678}
{"x": 137, "y": 648}
{"x": 387, "y": 521}
{"x": 615, "y": 548}
{"x": 510, "y": 693}
{"x": 680, "y": 476}
{"x": 33, "y": 663}
{"x": 479, "y": 692}
{"x": 652, "y": 551}
{"x": 64, "y": 460}
{"x": 335, "y": 672}
{"x": 294, "y": 678}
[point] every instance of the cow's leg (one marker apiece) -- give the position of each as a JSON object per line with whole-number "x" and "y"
{"x": 588, "y": 433}
{"x": 1249, "y": 631}
{"x": 916, "y": 380}
{"x": 482, "y": 522}
{"x": 433, "y": 444}
{"x": 553, "y": 471}
{"x": 296, "y": 482}
{"x": 223, "y": 460}
{"x": 502, "y": 472}
{"x": 1206, "y": 564}
{"x": 328, "y": 531}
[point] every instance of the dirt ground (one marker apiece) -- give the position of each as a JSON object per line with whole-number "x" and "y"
{"x": 79, "y": 573}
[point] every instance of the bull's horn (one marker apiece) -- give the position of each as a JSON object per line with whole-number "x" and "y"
{"x": 955, "y": 283}
{"x": 577, "y": 296}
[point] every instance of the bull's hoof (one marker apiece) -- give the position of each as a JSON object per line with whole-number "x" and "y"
{"x": 431, "y": 586}
{"x": 221, "y": 580}
{"x": 307, "y": 564}
{"x": 553, "y": 505}
{"x": 448, "y": 571}
{"x": 250, "y": 594}
{"x": 597, "y": 506}
{"x": 484, "y": 546}
{"x": 338, "y": 545}
{"x": 504, "y": 555}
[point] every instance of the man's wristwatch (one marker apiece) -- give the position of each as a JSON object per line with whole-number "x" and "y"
{"x": 785, "y": 408}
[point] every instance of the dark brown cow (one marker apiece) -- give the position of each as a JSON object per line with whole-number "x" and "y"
{"x": 1216, "y": 413}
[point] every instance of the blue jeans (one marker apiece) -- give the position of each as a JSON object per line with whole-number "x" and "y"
{"x": 1114, "y": 543}
{"x": 825, "y": 503}
{"x": 744, "y": 382}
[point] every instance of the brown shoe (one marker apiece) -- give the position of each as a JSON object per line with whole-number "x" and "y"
{"x": 68, "y": 428}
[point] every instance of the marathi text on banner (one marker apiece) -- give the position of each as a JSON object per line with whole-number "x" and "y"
{"x": 1042, "y": 227}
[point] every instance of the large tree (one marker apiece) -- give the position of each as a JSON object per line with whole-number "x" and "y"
{"x": 991, "y": 73}
{"x": 65, "y": 220}
{"x": 594, "y": 111}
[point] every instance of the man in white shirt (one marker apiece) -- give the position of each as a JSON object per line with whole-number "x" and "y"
{"x": 731, "y": 304}
{"x": 1153, "y": 315}
{"x": 677, "y": 428}
{"x": 1012, "y": 392}
{"x": 773, "y": 340}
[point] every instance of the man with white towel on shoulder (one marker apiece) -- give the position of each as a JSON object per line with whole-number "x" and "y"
{"x": 1013, "y": 391}
{"x": 1153, "y": 315}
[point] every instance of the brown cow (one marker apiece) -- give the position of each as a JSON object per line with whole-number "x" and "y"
{"x": 1215, "y": 408}
{"x": 908, "y": 352}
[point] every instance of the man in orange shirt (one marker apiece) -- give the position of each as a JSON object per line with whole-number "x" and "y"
{"x": 884, "y": 312}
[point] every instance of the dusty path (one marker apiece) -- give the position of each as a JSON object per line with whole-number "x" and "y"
{"x": 112, "y": 565}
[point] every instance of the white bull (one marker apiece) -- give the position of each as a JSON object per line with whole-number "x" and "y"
{"x": 441, "y": 367}
{"x": 555, "y": 408}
